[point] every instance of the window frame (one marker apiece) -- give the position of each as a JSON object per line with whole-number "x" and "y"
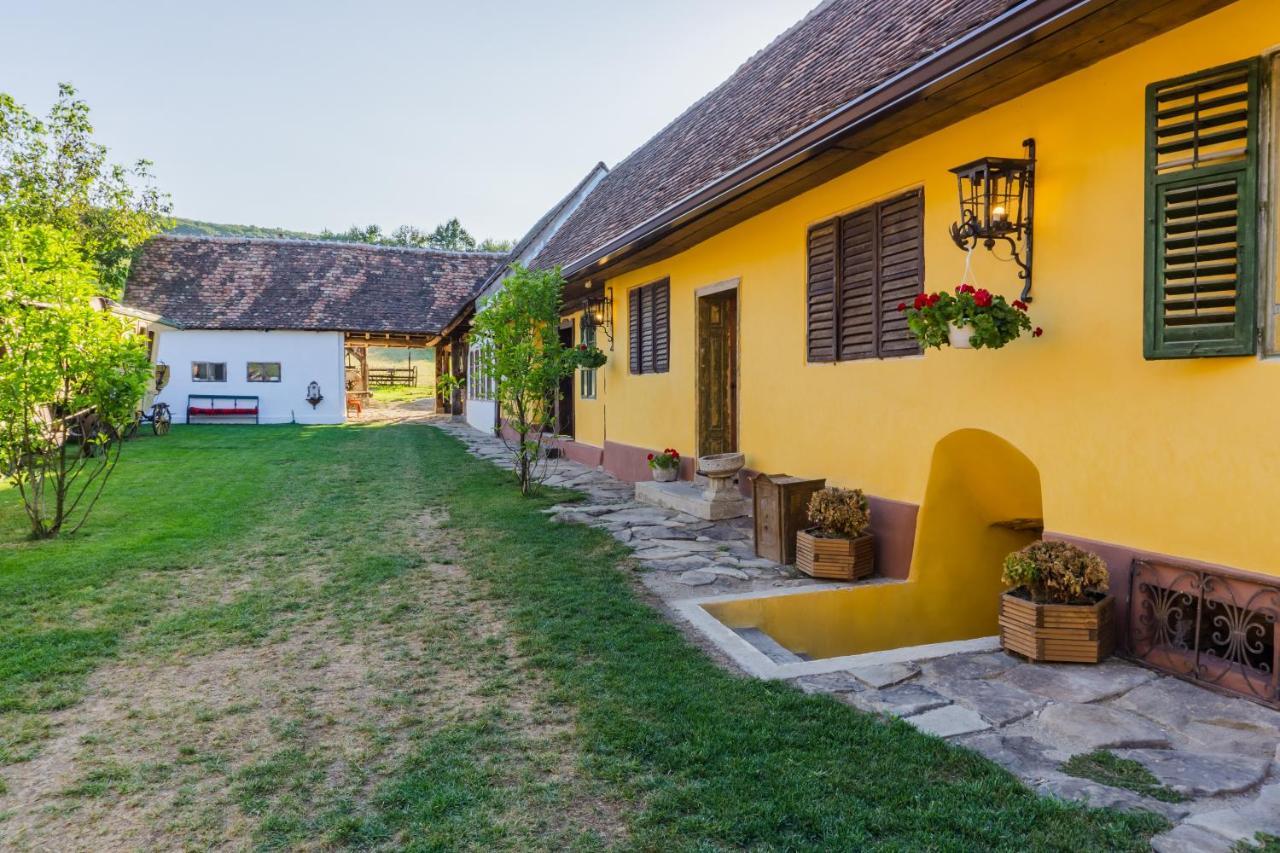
{"x": 874, "y": 210}
{"x": 641, "y": 321}
{"x": 248, "y": 372}
{"x": 195, "y": 371}
{"x": 1269, "y": 190}
{"x": 587, "y": 376}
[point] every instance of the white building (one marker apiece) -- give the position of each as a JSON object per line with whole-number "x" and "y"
{"x": 257, "y": 330}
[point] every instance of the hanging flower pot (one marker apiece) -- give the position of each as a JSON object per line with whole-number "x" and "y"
{"x": 959, "y": 336}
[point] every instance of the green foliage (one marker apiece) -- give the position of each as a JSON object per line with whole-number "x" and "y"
{"x": 447, "y": 385}
{"x": 589, "y": 357}
{"x": 520, "y": 329}
{"x": 840, "y": 512}
{"x": 449, "y": 236}
{"x": 666, "y": 460}
{"x": 1110, "y": 769}
{"x": 53, "y": 173}
{"x": 1055, "y": 572}
{"x": 198, "y": 228}
{"x": 65, "y": 367}
{"x": 991, "y": 321}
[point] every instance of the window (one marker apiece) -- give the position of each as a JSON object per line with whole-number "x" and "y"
{"x": 264, "y": 371}
{"x": 650, "y": 327}
{"x": 479, "y": 384}
{"x": 1202, "y": 209}
{"x": 587, "y": 378}
{"x": 208, "y": 371}
{"x": 860, "y": 267}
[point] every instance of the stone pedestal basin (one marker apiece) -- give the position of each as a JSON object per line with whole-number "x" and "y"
{"x": 719, "y": 469}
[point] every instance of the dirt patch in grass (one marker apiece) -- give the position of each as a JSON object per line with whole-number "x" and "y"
{"x": 294, "y": 740}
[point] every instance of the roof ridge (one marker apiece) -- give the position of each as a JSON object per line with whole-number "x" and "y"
{"x": 295, "y": 241}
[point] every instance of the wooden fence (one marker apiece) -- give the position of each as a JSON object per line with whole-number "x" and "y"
{"x": 383, "y": 376}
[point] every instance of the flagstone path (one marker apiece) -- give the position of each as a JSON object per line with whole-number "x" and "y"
{"x": 1220, "y": 755}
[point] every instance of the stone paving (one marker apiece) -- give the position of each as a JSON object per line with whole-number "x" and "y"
{"x": 1221, "y": 754}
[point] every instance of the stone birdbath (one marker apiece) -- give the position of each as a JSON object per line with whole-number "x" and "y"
{"x": 719, "y": 469}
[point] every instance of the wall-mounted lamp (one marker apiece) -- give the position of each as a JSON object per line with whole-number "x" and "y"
{"x": 597, "y": 313}
{"x": 997, "y": 197}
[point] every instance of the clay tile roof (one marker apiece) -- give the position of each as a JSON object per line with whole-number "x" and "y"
{"x": 236, "y": 283}
{"x": 841, "y": 50}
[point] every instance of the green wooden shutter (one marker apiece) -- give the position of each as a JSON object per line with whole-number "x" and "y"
{"x": 1201, "y": 214}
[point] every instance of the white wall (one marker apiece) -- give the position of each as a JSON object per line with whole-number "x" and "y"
{"x": 482, "y": 414}
{"x": 304, "y": 357}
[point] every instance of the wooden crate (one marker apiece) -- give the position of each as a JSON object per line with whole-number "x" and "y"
{"x": 780, "y": 508}
{"x": 1067, "y": 633}
{"x": 835, "y": 559}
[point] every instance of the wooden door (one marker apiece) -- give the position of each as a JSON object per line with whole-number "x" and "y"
{"x": 718, "y": 373}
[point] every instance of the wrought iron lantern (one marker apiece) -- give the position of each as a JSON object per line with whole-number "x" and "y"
{"x": 161, "y": 376}
{"x": 997, "y": 196}
{"x": 597, "y": 313}
{"x": 314, "y": 397}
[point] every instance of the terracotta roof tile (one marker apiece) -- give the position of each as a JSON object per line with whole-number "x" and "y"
{"x": 841, "y": 50}
{"x": 235, "y": 283}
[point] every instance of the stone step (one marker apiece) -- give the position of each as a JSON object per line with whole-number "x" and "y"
{"x": 768, "y": 646}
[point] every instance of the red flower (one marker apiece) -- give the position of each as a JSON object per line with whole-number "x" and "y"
{"x": 650, "y": 457}
{"x": 965, "y": 288}
{"x": 933, "y": 298}
{"x": 1038, "y": 332}
{"x": 902, "y": 306}
{"x": 582, "y": 347}
{"x": 982, "y": 298}
{"x": 1020, "y": 305}
{"x": 921, "y": 301}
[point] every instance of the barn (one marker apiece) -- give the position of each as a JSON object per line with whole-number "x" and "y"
{"x": 259, "y": 329}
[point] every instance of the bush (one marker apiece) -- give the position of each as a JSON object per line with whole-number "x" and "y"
{"x": 840, "y": 512}
{"x": 1057, "y": 573}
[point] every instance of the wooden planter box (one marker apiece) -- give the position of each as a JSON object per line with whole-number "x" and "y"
{"x": 1067, "y": 633}
{"x": 835, "y": 559}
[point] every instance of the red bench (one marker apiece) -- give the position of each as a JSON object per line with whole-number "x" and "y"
{"x": 222, "y": 406}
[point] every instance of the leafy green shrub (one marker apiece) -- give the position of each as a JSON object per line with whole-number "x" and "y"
{"x": 1057, "y": 573}
{"x": 840, "y": 512}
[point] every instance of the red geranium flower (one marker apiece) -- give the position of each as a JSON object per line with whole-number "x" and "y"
{"x": 650, "y": 457}
{"x": 1038, "y": 332}
{"x": 921, "y": 301}
{"x": 582, "y": 347}
{"x": 902, "y": 306}
{"x": 1020, "y": 305}
{"x": 982, "y": 298}
{"x": 932, "y": 298}
{"x": 965, "y": 288}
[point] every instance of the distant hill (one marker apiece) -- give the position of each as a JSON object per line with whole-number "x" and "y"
{"x": 194, "y": 227}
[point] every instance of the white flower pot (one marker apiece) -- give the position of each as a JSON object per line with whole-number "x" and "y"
{"x": 959, "y": 336}
{"x": 665, "y": 475}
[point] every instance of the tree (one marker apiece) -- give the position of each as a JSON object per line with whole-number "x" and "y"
{"x": 53, "y": 173}
{"x": 491, "y": 244}
{"x": 70, "y": 378}
{"x": 519, "y": 331}
{"x": 452, "y": 236}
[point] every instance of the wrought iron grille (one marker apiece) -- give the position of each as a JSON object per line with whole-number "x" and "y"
{"x": 1211, "y": 627}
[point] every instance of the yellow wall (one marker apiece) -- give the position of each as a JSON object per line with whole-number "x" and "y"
{"x": 1179, "y": 457}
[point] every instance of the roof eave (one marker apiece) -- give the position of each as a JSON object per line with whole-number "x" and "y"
{"x": 982, "y": 44}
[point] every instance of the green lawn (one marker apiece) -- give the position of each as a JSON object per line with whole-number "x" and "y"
{"x": 401, "y": 393}
{"x": 362, "y": 637}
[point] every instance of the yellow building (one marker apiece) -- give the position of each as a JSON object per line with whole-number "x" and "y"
{"x": 1153, "y": 185}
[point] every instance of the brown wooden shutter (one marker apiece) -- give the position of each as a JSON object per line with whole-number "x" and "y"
{"x": 646, "y": 330}
{"x": 661, "y": 324}
{"x": 1202, "y": 206}
{"x": 821, "y": 293}
{"x": 635, "y": 309}
{"x": 858, "y": 270}
{"x": 900, "y": 271}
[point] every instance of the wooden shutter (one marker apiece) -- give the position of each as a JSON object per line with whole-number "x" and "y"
{"x": 635, "y": 308}
{"x": 822, "y": 291}
{"x": 661, "y": 325}
{"x": 1201, "y": 242}
{"x": 858, "y": 258}
{"x": 900, "y": 271}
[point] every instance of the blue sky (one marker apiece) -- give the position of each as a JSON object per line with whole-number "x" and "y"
{"x": 324, "y": 114}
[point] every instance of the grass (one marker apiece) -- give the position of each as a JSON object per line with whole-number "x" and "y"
{"x": 1110, "y": 769}
{"x": 588, "y": 720}
{"x": 401, "y": 393}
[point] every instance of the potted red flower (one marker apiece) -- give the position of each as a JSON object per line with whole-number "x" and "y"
{"x": 665, "y": 465}
{"x": 589, "y": 357}
{"x": 971, "y": 318}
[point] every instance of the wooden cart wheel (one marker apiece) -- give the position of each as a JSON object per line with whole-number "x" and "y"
{"x": 160, "y": 419}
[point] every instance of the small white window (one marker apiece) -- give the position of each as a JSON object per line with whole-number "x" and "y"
{"x": 264, "y": 371}
{"x": 208, "y": 371}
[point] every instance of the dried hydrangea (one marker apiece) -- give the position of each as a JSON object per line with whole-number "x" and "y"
{"x": 1057, "y": 573}
{"x": 840, "y": 512}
